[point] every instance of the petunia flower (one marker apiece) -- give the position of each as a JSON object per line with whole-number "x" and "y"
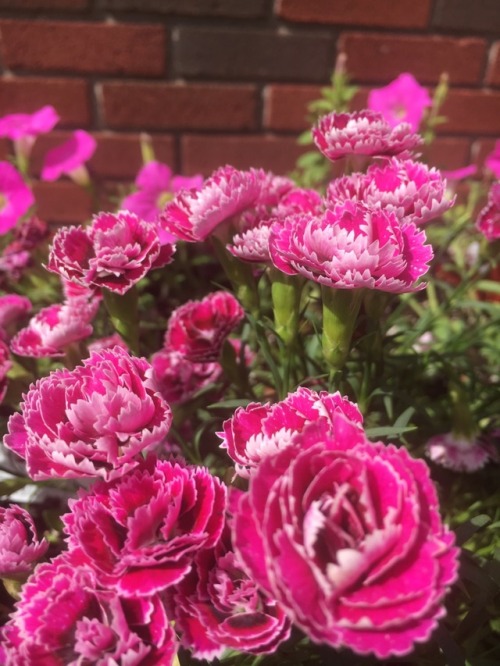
{"x": 69, "y": 158}
{"x": 23, "y": 128}
{"x": 403, "y": 100}
{"x": 15, "y": 197}
{"x": 492, "y": 161}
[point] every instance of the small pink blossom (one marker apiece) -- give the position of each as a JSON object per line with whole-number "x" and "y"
{"x": 459, "y": 453}
{"x": 15, "y": 197}
{"x": 488, "y": 221}
{"x": 179, "y": 379}
{"x": 492, "y": 161}
{"x": 115, "y": 252}
{"x": 141, "y": 532}
{"x": 198, "y": 329}
{"x": 93, "y": 421}
{"x": 346, "y": 535}
{"x": 12, "y": 309}
{"x": 20, "y": 547}
{"x": 19, "y": 125}
{"x": 403, "y": 100}
{"x": 69, "y": 157}
{"x": 362, "y": 133}
{"x": 5, "y": 366}
{"x": 352, "y": 246}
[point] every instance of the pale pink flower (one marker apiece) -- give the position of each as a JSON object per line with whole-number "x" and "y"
{"x": 352, "y": 246}
{"x": 115, "y": 252}
{"x": 253, "y": 244}
{"x": 492, "y": 161}
{"x": 12, "y": 309}
{"x": 65, "y": 619}
{"x": 410, "y": 189}
{"x": 346, "y": 535}
{"x": 20, "y": 547}
{"x": 403, "y": 100}
{"x": 110, "y": 341}
{"x": 23, "y": 128}
{"x": 362, "y": 133}
{"x": 5, "y": 366}
{"x": 15, "y": 197}
{"x": 141, "y": 532}
{"x": 93, "y": 421}
{"x": 198, "y": 329}
{"x": 194, "y": 214}
{"x": 69, "y": 158}
{"x": 459, "y": 453}
{"x": 488, "y": 221}
{"x": 257, "y": 431}
{"x": 179, "y": 379}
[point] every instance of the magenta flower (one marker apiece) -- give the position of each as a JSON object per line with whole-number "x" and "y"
{"x": 488, "y": 221}
{"x": 15, "y": 197}
{"x": 459, "y": 453}
{"x": 346, "y": 535}
{"x": 217, "y": 607}
{"x": 362, "y": 133}
{"x": 5, "y": 366}
{"x": 115, "y": 252}
{"x": 492, "y": 161}
{"x": 403, "y": 100}
{"x": 257, "y": 431}
{"x": 23, "y": 128}
{"x": 12, "y": 309}
{"x": 198, "y": 329}
{"x": 179, "y": 379}
{"x": 194, "y": 214}
{"x": 410, "y": 189}
{"x": 69, "y": 158}
{"x": 141, "y": 532}
{"x": 460, "y": 174}
{"x": 63, "y": 618}
{"x": 93, "y": 421}
{"x": 20, "y": 547}
{"x": 352, "y": 246}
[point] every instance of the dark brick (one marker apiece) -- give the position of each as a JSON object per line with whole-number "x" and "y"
{"x": 285, "y": 106}
{"x": 448, "y": 152}
{"x": 493, "y": 73}
{"x": 229, "y": 8}
{"x": 252, "y": 54}
{"x": 376, "y": 13}
{"x": 481, "y": 149}
{"x": 171, "y": 106}
{"x": 467, "y": 15}
{"x": 472, "y": 112}
{"x": 376, "y": 57}
{"x": 62, "y": 202}
{"x": 48, "y": 5}
{"x": 97, "y": 48}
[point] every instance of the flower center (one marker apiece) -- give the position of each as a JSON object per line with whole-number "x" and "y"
{"x": 163, "y": 199}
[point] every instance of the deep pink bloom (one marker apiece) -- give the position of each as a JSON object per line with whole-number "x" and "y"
{"x": 352, "y": 246}
{"x": 492, "y": 161}
{"x": 5, "y": 366}
{"x": 93, "y": 421}
{"x": 218, "y": 607}
{"x": 17, "y": 255}
{"x": 362, "y": 133}
{"x": 179, "y": 379}
{"x": 403, "y": 100}
{"x": 257, "y": 431}
{"x": 15, "y": 197}
{"x": 12, "y": 309}
{"x": 69, "y": 156}
{"x": 488, "y": 221}
{"x": 198, "y": 329}
{"x": 410, "y": 189}
{"x": 115, "y": 252}
{"x": 346, "y": 535}
{"x": 20, "y": 547}
{"x": 63, "y": 619}
{"x": 194, "y": 214}
{"x": 141, "y": 532}
{"x": 19, "y": 125}
{"x": 460, "y": 454}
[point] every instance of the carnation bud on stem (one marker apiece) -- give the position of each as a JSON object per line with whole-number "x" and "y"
{"x": 340, "y": 310}
{"x": 122, "y": 310}
{"x": 241, "y": 277}
{"x": 286, "y": 291}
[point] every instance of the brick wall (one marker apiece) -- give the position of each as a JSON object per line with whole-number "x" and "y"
{"x": 216, "y": 81}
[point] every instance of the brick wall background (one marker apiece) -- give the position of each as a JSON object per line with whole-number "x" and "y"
{"x": 227, "y": 81}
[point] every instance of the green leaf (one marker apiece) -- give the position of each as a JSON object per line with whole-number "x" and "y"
{"x": 391, "y": 432}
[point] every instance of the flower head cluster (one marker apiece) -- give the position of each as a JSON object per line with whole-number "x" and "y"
{"x": 403, "y": 100}
{"x": 20, "y": 547}
{"x": 15, "y": 197}
{"x": 461, "y": 454}
{"x": 488, "y": 221}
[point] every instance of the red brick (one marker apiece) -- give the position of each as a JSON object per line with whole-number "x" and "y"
{"x": 377, "y": 13}
{"x": 96, "y": 48}
{"x": 203, "y": 154}
{"x": 448, "y": 152}
{"x": 229, "y": 8}
{"x": 48, "y": 5}
{"x": 472, "y": 112}
{"x": 376, "y": 57}
{"x": 285, "y": 107}
{"x": 70, "y": 97}
{"x": 171, "y": 106}
{"x": 493, "y": 72}
{"x": 62, "y": 202}
{"x": 481, "y": 149}
{"x": 5, "y": 149}
{"x": 467, "y": 15}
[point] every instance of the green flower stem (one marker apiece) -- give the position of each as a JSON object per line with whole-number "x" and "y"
{"x": 241, "y": 277}
{"x": 340, "y": 310}
{"x": 463, "y": 422}
{"x": 122, "y": 310}
{"x": 286, "y": 291}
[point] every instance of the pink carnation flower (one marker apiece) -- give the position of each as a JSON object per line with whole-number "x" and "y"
{"x": 198, "y": 329}
{"x": 410, "y": 189}
{"x": 5, "y": 366}
{"x": 257, "y": 431}
{"x": 492, "y": 161}
{"x": 218, "y": 607}
{"x": 114, "y": 340}
{"x": 20, "y": 548}
{"x": 69, "y": 157}
{"x": 461, "y": 454}
{"x": 12, "y": 309}
{"x": 115, "y": 252}
{"x": 403, "y": 100}
{"x": 93, "y": 421}
{"x": 352, "y": 246}
{"x": 15, "y": 197}
{"x": 488, "y": 221}
{"x": 194, "y": 214}
{"x": 362, "y": 133}
{"x": 346, "y": 535}
{"x": 63, "y": 618}
{"x": 141, "y": 532}
{"x": 179, "y": 379}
